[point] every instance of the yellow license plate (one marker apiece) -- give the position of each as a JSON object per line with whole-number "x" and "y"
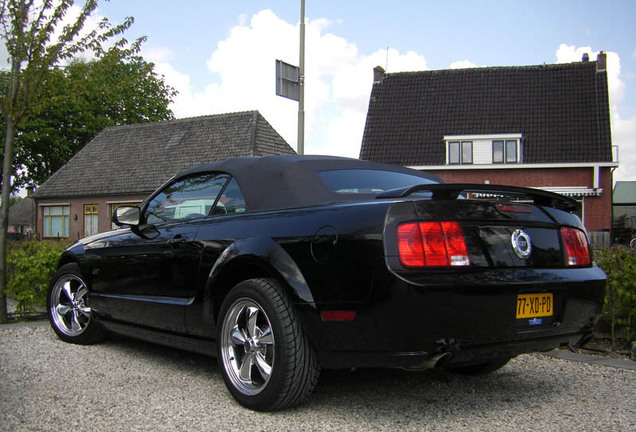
{"x": 535, "y": 305}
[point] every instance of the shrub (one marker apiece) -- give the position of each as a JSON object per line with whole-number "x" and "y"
{"x": 30, "y": 266}
{"x": 620, "y": 299}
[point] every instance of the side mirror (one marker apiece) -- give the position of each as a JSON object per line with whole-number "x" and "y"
{"x": 126, "y": 215}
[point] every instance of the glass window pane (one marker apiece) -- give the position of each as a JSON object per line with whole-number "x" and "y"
{"x": 232, "y": 200}
{"x": 57, "y": 227}
{"x": 467, "y": 152}
{"x": 453, "y": 153}
{"x": 90, "y": 224}
{"x": 363, "y": 181}
{"x": 497, "y": 152}
{"x": 186, "y": 198}
{"x": 511, "y": 151}
{"x": 55, "y": 221}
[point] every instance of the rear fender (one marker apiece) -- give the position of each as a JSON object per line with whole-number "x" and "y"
{"x": 257, "y": 256}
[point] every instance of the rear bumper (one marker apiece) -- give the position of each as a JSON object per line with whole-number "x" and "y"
{"x": 455, "y": 355}
{"x": 469, "y": 318}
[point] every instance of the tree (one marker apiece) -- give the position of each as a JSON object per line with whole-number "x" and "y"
{"x": 85, "y": 97}
{"x": 37, "y": 40}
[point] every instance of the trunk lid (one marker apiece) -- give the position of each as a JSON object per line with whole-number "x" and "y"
{"x": 503, "y": 227}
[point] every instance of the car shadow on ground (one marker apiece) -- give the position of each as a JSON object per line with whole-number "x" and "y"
{"x": 435, "y": 391}
{"x": 379, "y": 393}
{"x": 160, "y": 354}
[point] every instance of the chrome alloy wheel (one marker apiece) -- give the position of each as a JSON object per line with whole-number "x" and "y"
{"x": 247, "y": 346}
{"x": 68, "y": 307}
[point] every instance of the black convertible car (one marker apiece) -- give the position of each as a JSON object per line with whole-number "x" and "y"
{"x": 280, "y": 266}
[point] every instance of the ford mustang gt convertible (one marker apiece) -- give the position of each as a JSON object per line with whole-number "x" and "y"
{"x": 280, "y": 266}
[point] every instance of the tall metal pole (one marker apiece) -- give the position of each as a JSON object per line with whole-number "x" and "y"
{"x": 301, "y": 79}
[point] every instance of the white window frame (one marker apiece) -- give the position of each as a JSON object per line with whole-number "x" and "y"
{"x": 462, "y": 146}
{"x": 483, "y": 148}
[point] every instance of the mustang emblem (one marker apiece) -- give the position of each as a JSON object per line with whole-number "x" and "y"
{"x": 521, "y": 244}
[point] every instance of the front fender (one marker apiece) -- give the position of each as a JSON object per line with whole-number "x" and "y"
{"x": 73, "y": 253}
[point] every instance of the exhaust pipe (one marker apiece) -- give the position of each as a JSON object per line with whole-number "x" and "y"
{"x": 431, "y": 363}
{"x": 436, "y": 360}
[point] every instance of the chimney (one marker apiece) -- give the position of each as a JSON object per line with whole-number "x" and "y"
{"x": 601, "y": 64}
{"x": 586, "y": 58}
{"x": 30, "y": 191}
{"x": 378, "y": 74}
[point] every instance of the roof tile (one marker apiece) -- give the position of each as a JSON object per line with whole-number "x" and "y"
{"x": 561, "y": 110}
{"x": 135, "y": 159}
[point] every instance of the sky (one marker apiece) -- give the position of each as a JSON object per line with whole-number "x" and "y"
{"x": 220, "y": 55}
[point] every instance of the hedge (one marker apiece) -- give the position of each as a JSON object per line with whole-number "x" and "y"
{"x": 30, "y": 266}
{"x": 619, "y": 263}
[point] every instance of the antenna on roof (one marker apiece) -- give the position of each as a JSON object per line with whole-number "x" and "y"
{"x": 386, "y": 64}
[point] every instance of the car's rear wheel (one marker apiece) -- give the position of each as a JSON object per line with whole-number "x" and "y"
{"x": 68, "y": 307}
{"x": 481, "y": 368}
{"x": 266, "y": 359}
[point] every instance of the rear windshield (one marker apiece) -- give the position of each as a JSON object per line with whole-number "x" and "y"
{"x": 368, "y": 182}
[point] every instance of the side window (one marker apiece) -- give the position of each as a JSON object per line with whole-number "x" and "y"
{"x": 186, "y": 198}
{"x": 231, "y": 200}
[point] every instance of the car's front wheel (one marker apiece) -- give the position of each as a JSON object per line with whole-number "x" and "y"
{"x": 266, "y": 359}
{"x": 68, "y": 308}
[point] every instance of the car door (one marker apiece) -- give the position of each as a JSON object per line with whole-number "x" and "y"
{"x": 152, "y": 271}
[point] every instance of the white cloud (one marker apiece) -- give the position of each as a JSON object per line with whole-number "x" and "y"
{"x": 337, "y": 86}
{"x": 463, "y": 64}
{"x": 157, "y": 54}
{"x": 623, "y": 130}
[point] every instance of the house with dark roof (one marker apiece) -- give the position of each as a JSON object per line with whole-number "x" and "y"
{"x": 545, "y": 127}
{"x": 122, "y": 165}
{"x": 21, "y": 217}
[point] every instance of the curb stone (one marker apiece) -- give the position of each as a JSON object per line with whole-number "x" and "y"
{"x": 592, "y": 359}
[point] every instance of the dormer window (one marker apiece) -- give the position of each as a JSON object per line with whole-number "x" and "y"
{"x": 504, "y": 151}
{"x": 483, "y": 149}
{"x": 460, "y": 152}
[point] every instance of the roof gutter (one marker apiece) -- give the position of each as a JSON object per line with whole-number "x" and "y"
{"x": 513, "y": 166}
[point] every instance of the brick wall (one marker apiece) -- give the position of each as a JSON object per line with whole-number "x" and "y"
{"x": 76, "y": 217}
{"x": 597, "y": 210}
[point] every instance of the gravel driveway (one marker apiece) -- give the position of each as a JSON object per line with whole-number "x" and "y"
{"x": 126, "y": 385}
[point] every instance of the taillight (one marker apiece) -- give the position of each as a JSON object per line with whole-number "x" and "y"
{"x": 428, "y": 244}
{"x": 577, "y": 252}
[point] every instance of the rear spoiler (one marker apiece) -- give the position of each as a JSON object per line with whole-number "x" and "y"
{"x": 451, "y": 191}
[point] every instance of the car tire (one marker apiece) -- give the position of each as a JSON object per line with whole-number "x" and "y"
{"x": 481, "y": 368}
{"x": 68, "y": 307}
{"x": 267, "y": 361}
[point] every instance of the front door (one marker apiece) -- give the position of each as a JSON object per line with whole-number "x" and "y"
{"x": 152, "y": 270}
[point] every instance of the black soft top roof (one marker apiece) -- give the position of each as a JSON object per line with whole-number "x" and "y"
{"x": 290, "y": 181}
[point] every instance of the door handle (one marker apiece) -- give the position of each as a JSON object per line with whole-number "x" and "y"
{"x": 177, "y": 241}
